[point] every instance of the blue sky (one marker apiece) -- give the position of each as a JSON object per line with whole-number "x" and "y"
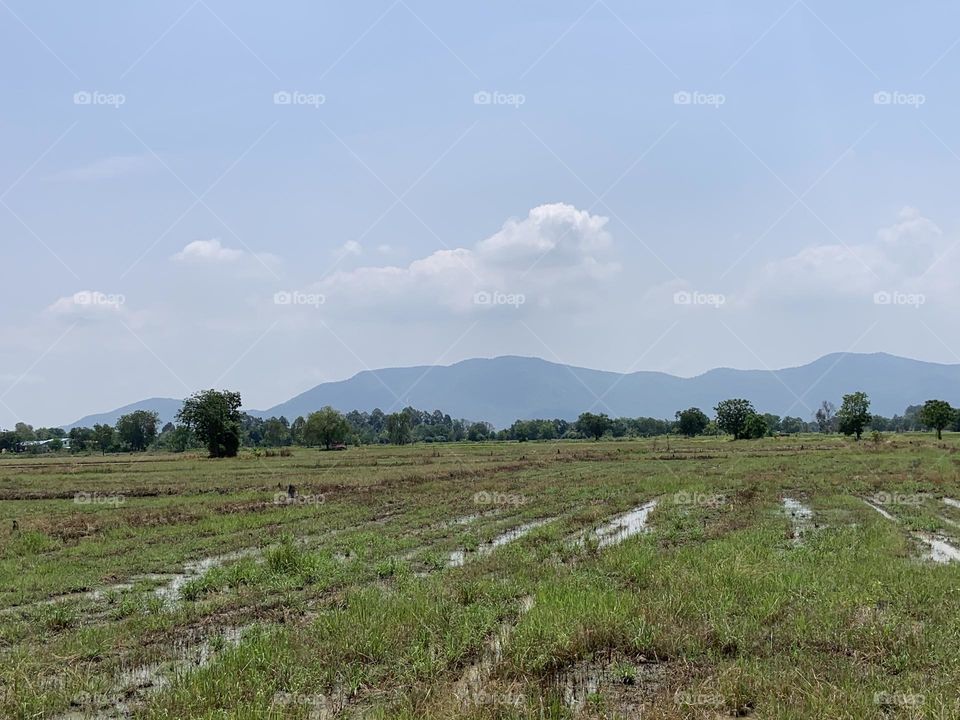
{"x": 611, "y": 184}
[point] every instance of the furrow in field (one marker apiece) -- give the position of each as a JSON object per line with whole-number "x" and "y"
{"x": 459, "y": 557}
{"x": 941, "y": 551}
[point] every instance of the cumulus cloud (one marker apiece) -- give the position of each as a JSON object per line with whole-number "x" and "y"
{"x": 552, "y": 257}
{"x": 88, "y": 305}
{"x": 903, "y": 257}
{"x": 242, "y": 263}
{"x": 210, "y": 251}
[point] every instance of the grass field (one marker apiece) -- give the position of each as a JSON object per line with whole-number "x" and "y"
{"x": 487, "y": 581}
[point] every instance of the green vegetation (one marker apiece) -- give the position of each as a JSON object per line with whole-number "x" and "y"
{"x": 175, "y": 586}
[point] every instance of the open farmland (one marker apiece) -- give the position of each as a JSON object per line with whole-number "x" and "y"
{"x": 797, "y": 577}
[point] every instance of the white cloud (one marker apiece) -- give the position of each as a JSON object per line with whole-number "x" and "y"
{"x": 900, "y": 258}
{"x": 350, "y": 247}
{"x": 209, "y": 251}
{"x": 88, "y": 305}
{"x": 551, "y": 257}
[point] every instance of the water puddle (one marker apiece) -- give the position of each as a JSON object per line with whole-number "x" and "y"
{"x": 880, "y": 510}
{"x": 801, "y": 516}
{"x": 132, "y": 685}
{"x": 171, "y": 591}
{"x": 459, "y": 557}
{"x": 624, "y": 526}
{"x": 613, "y": 682}
{"x": 941, "y": 551}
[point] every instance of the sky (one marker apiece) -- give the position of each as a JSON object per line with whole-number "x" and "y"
{"x": 264, "y": 197}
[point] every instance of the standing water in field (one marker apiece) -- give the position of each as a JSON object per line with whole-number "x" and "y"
{"x": 800, "y": 515}
{"x": 880, "y": 510}
{"x": 459, "y": 557}
{"x": 624, "y": 526}
{"x": 195, "y": 568}
{"x": 940, "y": 550}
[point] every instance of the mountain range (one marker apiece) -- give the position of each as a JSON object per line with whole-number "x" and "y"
{"x": 503, "y": 389}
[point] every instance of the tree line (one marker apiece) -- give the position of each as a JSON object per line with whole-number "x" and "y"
{"x": 213, "y": 420}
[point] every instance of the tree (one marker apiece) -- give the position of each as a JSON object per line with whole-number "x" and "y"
{"x": 325, "y": 427}
{"x": 137, "y": 430}
{"x": 276, "y": 432}
{"x": 215, "y": 417}
{"x": 757, "y": 426}
{"x": 937, "y": 414}
{"x": 854, "y": 414}
{"x": 824, "y": 416}
{"x": 399, "y": 429}
{"x": 103, "y": 437}
{"x": 692, "y": 421}
{"x": 732, "y": 416}
{"x": 590, "y": 425}
{"x": 791, "y": 425}
{"x": 81, "y": 438}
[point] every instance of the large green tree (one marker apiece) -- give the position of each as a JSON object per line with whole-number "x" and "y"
{"x": 325, "y": 427}
{"x": 854, "y": 414}
{"x": 733, "y": 415}
{"x": 692, "y": 421}
{"x": 937, "y": 414}
{"x": 137, "y": 430}
{"x": 215, "y": 418}
{"x": 592, "y": 425}
{"x": 399, "y": 428}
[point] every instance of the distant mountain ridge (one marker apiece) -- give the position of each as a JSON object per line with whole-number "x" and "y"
{"x": 503, "y": 389}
